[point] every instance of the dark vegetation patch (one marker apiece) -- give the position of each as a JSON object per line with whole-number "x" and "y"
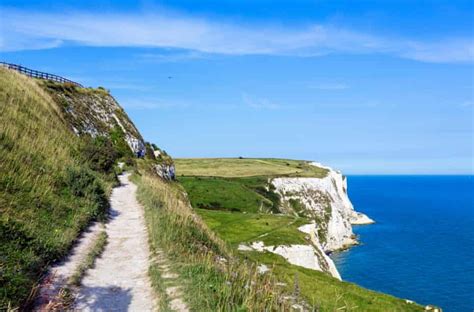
{"x": 117, "y": 136}
{"x": 99, "y": 153}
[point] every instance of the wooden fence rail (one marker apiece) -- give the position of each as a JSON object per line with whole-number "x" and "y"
{"x": 37, "y": 74}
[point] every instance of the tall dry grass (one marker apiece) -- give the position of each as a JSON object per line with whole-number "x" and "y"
{"x": 40, "y": 214}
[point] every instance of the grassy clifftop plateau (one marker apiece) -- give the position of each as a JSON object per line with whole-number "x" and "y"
{"x": 235, "y": 199}
{"x": 246, "y": 167}
{"x": 52, "y": 181}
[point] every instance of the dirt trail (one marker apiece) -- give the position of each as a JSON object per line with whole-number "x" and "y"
{"x": 119, "y": 281}
{"x": 60, "y": 273}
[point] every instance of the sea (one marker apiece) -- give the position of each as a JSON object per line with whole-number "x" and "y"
{"x": 422, "y": 244}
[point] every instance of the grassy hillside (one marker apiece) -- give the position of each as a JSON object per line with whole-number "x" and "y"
{"x": 318, "y": 289}
{"x": 239, "y": 185}
{"x": 237, "y": 205}
{"x": 52, "y": 184}
{"x": 246, "y": 167}
{"x": 213, "y": 279}
{"x": 236, "y": 228}
{"x": 232, "y": 194}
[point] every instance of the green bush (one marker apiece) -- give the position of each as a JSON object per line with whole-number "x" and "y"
{"x": 149, "y": 151}
{"x": 100, "y": 154}
{"x": 118, "y": 140}
{"x": 130, "y": 162}
{"x": 83, "y": 183}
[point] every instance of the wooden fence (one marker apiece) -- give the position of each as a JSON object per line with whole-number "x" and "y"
{"x": 37, "y": 74}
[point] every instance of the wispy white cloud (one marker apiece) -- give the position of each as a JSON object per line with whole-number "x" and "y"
{"x": 258, "y": 103}
{"x": 23, "y": 30}
{"x": 329, "y": 86}
{"x": 171, "y": 57}
{"x": 467, "y": 103}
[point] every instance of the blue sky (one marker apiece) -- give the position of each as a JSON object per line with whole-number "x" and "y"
{"x": 368, "y": 87}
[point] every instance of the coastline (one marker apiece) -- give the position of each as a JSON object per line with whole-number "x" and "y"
{"x": 326, "y": 201}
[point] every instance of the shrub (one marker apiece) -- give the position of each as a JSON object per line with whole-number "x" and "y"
{"x": 120, "y": 144}
{"x": 149, "y": 151}
{"x": 83, "y": 183}
{"x": 130, "y": 162}
{"x": 100, "y": 154}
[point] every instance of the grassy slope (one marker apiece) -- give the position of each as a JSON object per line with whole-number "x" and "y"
{"x": 237, "y": 228}
{"x": 317, "y": 288}
{"x": 47, "y": 193}
{"x": 247, "y": 167}
{"x": 232, "y": 194}
{"x": 238, "y": 191}
{"x": 326, "y": 293}
{"x": 211, "y": 277}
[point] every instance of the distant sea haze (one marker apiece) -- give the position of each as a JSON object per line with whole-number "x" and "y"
{"x": 422, "y": 246}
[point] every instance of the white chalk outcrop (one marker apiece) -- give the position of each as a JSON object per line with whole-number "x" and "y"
{"x": 166, "y": 171}
{"x": 326, "y": 201}
{"x": 361, "y": 219}
{"x": 97, "y": 113}
{"x": 307, "y": 256}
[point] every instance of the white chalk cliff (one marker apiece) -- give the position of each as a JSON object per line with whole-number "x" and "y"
{"x": 324, "y": 200}
{"x": 97, "y": 113}
{"x": 307, "y": 256}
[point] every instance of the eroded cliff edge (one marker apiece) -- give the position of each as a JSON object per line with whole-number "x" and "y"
{"x": 324, "y": 201}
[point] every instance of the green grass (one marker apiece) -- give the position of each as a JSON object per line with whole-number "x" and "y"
{"x": 159, "y": 285}
{"x": 237, "y": 228}
{"x": 235, "y": 194}
{"x": 317, "y": 288}
{"x": 246, "y": 167}
{"x": 326, "y": 293}
{"x": 48, "y": 191}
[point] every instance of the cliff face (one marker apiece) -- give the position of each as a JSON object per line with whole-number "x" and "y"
{"x": 96, "y": 113}
{"x": 324, "y": 200}
{"x": 307, "y": 256}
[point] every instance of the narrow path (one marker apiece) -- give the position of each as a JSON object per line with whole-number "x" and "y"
{"x": 51, "y": 288}
{"x": 119, "y": 281}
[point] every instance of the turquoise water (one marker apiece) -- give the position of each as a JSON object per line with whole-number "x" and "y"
{"x": 422, "y": 246}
